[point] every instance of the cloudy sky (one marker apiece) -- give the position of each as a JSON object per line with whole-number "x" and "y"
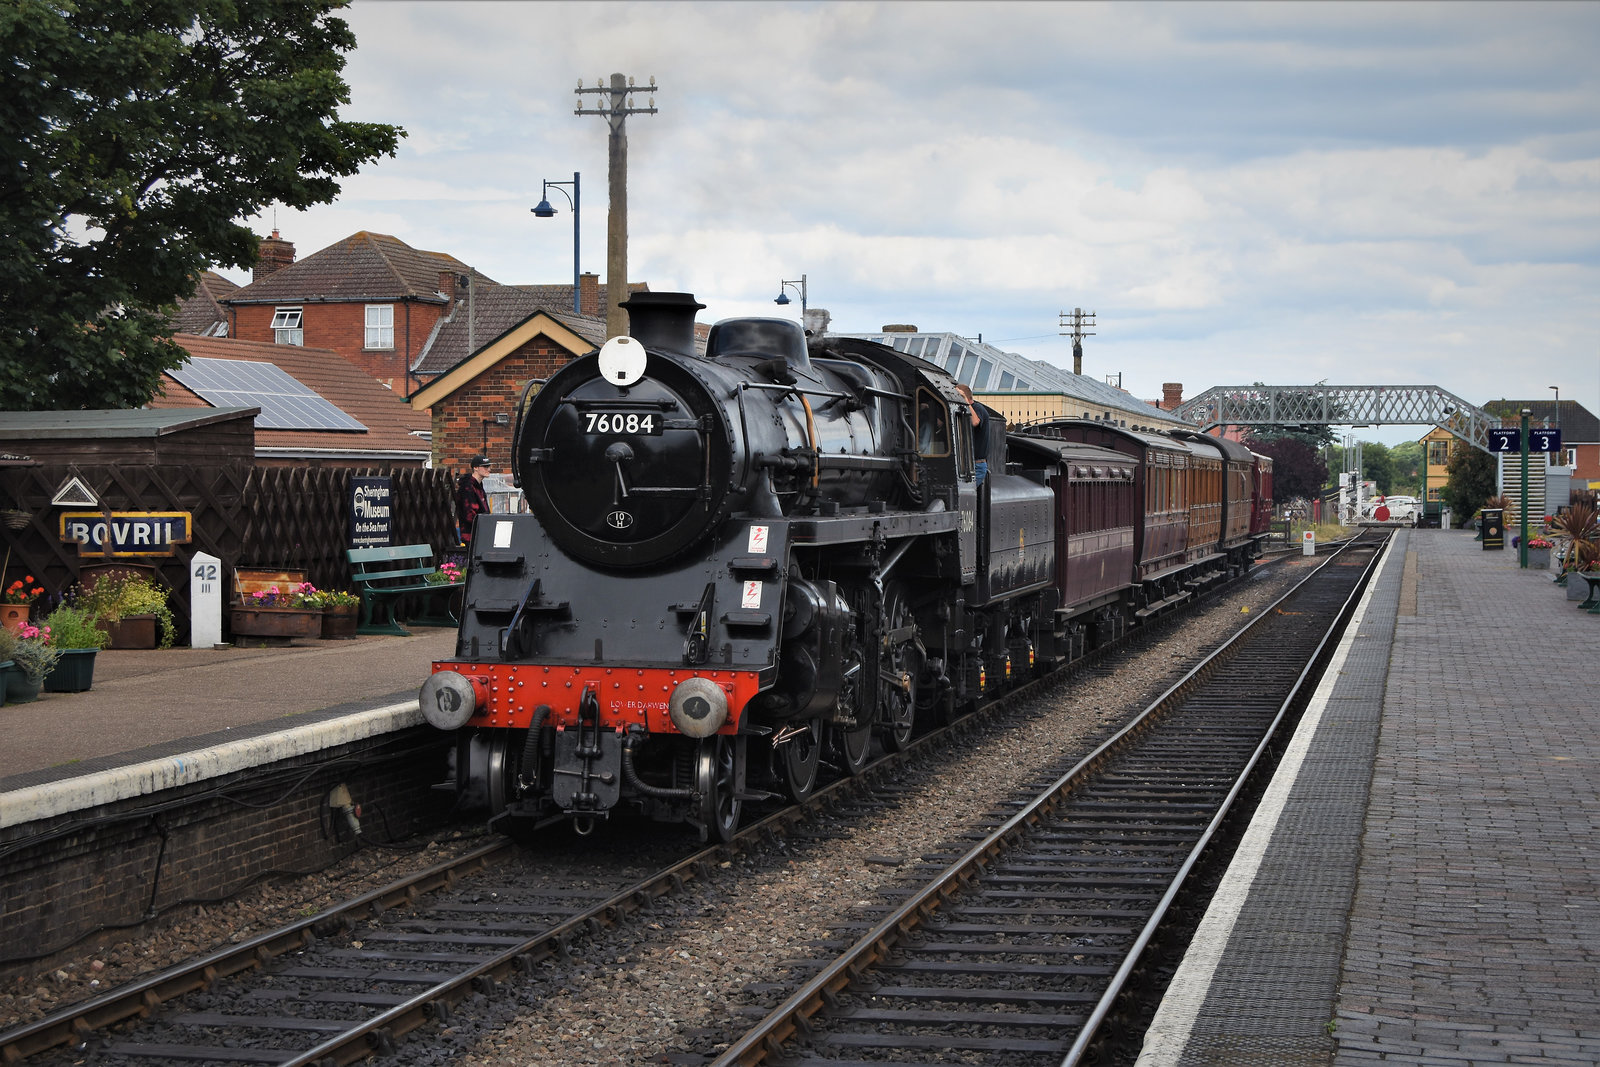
{"x": 1375, "y": 193}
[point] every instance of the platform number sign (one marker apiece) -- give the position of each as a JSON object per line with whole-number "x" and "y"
{"x": 1544, "y": 440}
{"x": 1505, "y": 440}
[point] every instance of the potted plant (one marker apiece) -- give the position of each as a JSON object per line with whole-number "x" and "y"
{"x": 16, "y": 601}
{"x": 130, "y": 607}
{"x": 8, "y": 645}
{"x": 278, "y": 614}
{"x": 1579, "y": 528}
{"x": 338, "y": 613}
{"x": 77, "y": 639}
{"x": 1539, "y": 552}
{"x": 447, "y": 574}
{"x": 32, "y": 657}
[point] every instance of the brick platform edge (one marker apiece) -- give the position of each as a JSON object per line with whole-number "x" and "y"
{"x": 70, "y": 876}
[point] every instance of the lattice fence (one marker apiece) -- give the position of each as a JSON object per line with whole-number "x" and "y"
{"x": 298, "y": 518}
{"x": 246, "y": 516}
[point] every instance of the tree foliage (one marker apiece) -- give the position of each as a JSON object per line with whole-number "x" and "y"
{"x": 134, "y": 133}
{"x": 1297, "y": 468}
{"x": 1471, "y": 481}
{"x": 1409, "y": 458}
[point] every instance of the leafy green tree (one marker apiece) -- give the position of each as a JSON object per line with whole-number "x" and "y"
{"x": 1408, "y": 462}
{"x": 132, "y": 134}
{"x": 1377, "y": 467}
{"x": 1297, "y": 469}
{"x": 1471, "y": 481}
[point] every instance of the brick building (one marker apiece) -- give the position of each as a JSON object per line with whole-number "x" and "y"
{"x": 371, "y": 298}
{"x": 474, "y": 402}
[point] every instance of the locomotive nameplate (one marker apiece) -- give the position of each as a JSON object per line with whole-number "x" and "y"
{"x": 622, "y": 423}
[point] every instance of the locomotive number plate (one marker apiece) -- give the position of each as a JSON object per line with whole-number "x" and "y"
{"x": 622, "y": 422}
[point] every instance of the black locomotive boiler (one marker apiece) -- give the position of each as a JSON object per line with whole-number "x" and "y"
{"x": 744, "y": 561}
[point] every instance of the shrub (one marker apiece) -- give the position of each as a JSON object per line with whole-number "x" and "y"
{"x": 73, "y": 627}
{"x": 118, "y": 594}
{"x": 1579, "y": 524}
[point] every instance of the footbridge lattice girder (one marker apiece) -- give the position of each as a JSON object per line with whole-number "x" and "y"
{"x": 1338, "y": 405}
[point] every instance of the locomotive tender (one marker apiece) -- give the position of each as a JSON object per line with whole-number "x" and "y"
{"x": 740, "y": 562}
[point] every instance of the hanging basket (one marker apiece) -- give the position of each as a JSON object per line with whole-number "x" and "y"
{"x": 14, "y": 519}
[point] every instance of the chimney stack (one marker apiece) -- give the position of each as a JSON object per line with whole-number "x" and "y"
{"x": 1171, "y": 395}
{"x": 274, "y": 253}
{"x": 589, "y": 294}
{"x": 663, "y": 320}
{"x": 447, "y": 286}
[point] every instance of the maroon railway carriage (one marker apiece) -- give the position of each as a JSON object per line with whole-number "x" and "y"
{"x": 1097, "y": 515}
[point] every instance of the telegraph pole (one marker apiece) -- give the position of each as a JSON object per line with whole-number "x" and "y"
{"x": 1077, "y": 321}
{"x": 616, "y": 104}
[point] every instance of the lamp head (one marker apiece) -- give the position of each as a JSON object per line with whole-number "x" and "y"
{"x": 544, "y": 210}
{"x": 783, "y": 297}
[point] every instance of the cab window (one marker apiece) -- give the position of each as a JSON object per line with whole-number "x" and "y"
{"x": 933, "y": 424}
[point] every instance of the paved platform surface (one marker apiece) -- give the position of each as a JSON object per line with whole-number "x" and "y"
{"x": 151, "y": 716}
{"x": 1422, "y": 882}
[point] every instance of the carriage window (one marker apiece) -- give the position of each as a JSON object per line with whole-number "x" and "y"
{"x": 933, "y": 424}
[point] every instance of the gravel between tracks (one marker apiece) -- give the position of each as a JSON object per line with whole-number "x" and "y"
{"x": 672, "y": 987}
{"x": 634, "y": 1000}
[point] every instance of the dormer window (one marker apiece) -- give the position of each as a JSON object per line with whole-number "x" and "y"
{"x": 380, "y": 326}
{"x": 286, "y": 329}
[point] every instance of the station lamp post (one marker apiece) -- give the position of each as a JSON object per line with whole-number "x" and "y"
{"x": 545, "y": 211}
{"x": 783, "y": 296}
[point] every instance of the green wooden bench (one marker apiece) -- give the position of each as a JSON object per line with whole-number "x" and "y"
{"x": 383, "y": 575}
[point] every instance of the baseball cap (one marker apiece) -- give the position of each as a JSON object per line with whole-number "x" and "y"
{"x": 480, "y": 460}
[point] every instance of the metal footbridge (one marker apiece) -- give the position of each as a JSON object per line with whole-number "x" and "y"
{"x": 1338, "y": 405}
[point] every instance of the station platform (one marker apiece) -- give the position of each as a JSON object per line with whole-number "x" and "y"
{"x": 163, "y": 719}
{"x": 1421, "y": 882}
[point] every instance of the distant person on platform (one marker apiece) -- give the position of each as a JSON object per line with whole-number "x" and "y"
{"x": 981, "y": 414}
{"x": 471, "y": 500}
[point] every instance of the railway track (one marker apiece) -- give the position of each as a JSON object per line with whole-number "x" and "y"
{"x": 338, "y": 986}
{"x": 1016, "y": 952}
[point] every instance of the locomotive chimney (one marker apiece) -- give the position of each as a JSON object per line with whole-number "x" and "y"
{"x": 663, "y": 320}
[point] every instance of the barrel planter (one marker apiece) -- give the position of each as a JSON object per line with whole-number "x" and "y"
{"x": 275, "y": 623}
{"x": 73, "y": 673}
{"x": 132, "y": 631}
{"x": 339, "y": 624}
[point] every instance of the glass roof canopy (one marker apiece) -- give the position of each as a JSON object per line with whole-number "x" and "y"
{"x": 989, "y": 370}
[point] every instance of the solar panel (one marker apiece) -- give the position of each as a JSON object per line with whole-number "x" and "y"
{"x": 285, "y": 403}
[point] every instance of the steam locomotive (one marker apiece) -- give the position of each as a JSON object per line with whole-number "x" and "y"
{"x": 743, "y": 564}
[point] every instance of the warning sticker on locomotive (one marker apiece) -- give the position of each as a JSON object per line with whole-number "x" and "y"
{"x": 622, "y": 422}
{"x": 752, "y": 595}
{"x": 758, "y": 539}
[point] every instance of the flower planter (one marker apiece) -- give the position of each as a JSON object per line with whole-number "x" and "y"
{"x": 5, "y": 674}
{"x": 134, "y": 631}
{"x": 13, "y": 616}
{"x": 1539, "y": 559}
{"x": 73, "y": 673}
{"x": 19, "y": 690}
{"x": 339, "y": 624}
{"x": 275, "y": 623}
{"x": 1577, "y": 589}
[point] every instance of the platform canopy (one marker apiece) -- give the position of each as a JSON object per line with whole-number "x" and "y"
{"x": 1338, "y": 405}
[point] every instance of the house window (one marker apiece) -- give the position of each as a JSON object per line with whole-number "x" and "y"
{"x": 380, "y": 325}
{"x": 286, "y": 327}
